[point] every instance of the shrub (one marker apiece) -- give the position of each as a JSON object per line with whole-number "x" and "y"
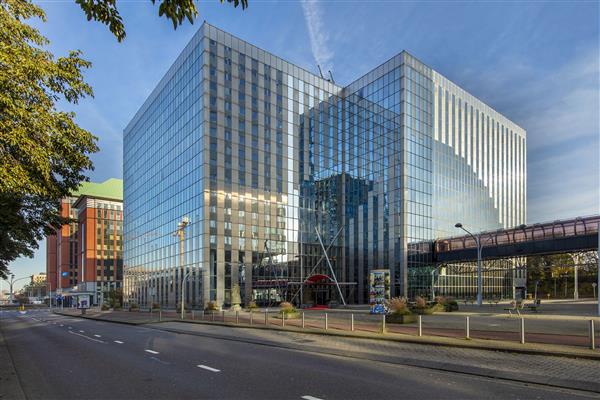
{"x": 398, "y": 305}
{"x": 104, "y": 307}
{"x": 133, "y": 307}
{"x": 252, "y": 306}
{"x": 440, "y": 300}
{"x": 211, "y": 306}
{"x": 420, "y": 302}
{"x": 155, "y": 306}
{"x": 451, "y": 305}
{"x": 287, "y": 308}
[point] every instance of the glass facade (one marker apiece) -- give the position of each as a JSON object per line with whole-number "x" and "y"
{"x": 268, "y": 165}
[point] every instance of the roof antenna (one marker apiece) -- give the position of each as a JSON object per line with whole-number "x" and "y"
{"x": 331, "y": 75}
{"x": 320, "y": 72}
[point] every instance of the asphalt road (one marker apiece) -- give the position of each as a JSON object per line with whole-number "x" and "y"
{"x": 59, "y": 357}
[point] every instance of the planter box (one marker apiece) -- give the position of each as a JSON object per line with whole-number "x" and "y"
{"x": 400, "y": 319}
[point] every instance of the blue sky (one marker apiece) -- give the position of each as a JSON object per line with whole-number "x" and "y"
{"x": 535, "y": 62}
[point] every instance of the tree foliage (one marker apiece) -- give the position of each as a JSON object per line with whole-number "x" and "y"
{"x": 44, "y": 154}
{"x": 106, "y": 12}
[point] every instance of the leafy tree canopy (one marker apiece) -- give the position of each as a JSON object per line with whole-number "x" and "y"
{"x": 43, "y": 152}
{"x": 106, "y": 12}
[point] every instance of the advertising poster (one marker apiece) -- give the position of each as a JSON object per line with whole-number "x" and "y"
{"x": 379, "y": 290}
{"x": 83, "y": 302}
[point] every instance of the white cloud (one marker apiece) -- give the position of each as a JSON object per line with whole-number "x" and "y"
{"x": 319, "y": 38}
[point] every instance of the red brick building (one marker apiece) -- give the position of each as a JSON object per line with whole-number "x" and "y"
{"x": 87, "y": 254}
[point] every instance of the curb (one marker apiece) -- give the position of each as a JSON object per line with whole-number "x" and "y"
{"x": 477, "y": 344}
{"x": 116, "y": 321}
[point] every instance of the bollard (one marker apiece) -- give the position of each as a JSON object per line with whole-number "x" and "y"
{"x": 592, "y": 335}
{"x": 467, "y": 327}
{"x": 522, "y": 330}
{"x": 212, "y": 316}
{"x": 420, "y": 325}
{"x": 193, "y": 315}
{"x": 159, "y": 315}
{"x": 352, "y": 322}
{"x": 237, "y": 317}
{"x": 302, "y": 319}
{"x": 382, "y": 323}
{"x": 223, "y": 315}
{"x": 325, "y": 321}
{"x": 282, "y": 318}
{"x": 203, "y": 315}
{"x": 251, "y": 317}
{"x": 266, "y": 318}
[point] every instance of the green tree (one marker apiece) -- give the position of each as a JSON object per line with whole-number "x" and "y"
{"x": 43, "y": 152}
{"x": 106, "y": 12}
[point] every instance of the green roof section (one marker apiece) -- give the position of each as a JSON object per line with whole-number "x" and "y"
{"x": 111, "y": 189}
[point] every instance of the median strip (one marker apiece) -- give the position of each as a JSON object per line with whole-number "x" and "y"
{"x": 206, "y": 367}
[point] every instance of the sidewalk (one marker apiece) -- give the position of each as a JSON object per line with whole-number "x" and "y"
{"x": 452, "y": 338}
{"x": 10, "y": 387}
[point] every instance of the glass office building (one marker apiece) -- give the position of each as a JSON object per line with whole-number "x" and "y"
{"x": 243, "y": 171}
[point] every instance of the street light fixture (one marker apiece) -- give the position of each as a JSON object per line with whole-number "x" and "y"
{"x": 478, "y": 243}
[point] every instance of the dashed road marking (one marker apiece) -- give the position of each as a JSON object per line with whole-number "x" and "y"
{"x": 118, "y": 341}
{"x": 85, "y": 337}
{"x": 206, "y": 367}
{"x": 81, "y": 331}
{"x": 151, "y": 351}
{"x": 307, "y": 397}
{"x": 97, "y": 335}
{"x": 61, "y": 325}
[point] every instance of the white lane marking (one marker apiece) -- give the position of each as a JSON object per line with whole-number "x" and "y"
{"x": 88, "y": 338}
{"x": 118, "y": 341}
{"x": 70, "y": 327}
{"x": 151, "y": 351}
{"x": 81, "y": 331}
{"x": 206, "y": 367}
{"x": 97, "y": 335}
{"x": 61, "y": 325}
{"x": 160, "y": 361}
{"x": 307, "y": 397}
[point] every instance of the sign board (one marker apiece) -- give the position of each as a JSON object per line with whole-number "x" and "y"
{"x": 379, "y": 290}
{"x": 64, "y": 274}
{"x": 83, "y": 302}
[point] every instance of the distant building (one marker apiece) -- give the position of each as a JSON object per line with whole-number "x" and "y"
{"x": 87, "y": 254}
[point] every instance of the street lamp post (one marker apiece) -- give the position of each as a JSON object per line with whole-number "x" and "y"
{"x": 180, "y": 233}
{"x": 479, "y": 282}
{"x": 477, "y": 239}
{"x": 183, "y": 294}
{"x": 12, "y": 282}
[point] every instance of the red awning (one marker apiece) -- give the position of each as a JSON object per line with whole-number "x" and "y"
{"x": 317, "y": 278}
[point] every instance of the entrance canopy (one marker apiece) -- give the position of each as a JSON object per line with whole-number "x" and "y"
{"x": 318, "y": 278}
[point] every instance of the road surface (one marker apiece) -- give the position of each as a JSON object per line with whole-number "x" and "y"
{"x": 58, "y": 357}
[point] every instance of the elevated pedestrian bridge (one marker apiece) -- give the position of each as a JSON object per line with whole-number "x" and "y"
{"x": 564, "y": 236}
